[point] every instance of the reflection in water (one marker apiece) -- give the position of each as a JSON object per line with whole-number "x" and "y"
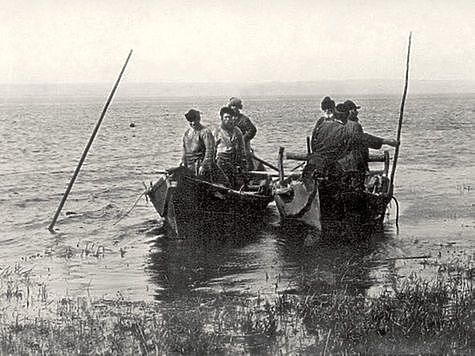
{"x": 266, "y": 259}
{"x": 198, "y": 262}
{"x": 332, "y": 261}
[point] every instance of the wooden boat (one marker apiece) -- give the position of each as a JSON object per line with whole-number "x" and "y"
{"x": 329, "y": 207}
{"x": 191, "y": 205}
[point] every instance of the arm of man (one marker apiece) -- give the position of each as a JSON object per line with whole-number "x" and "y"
{"x": 183, "y": 156}
{"x": 313, "y": 140}
{"x": 376, "y": 142}
{"x": 210, "y": 146}
{"x": 372, "y": 141}
{"x": 240, "y": 149}
{"x": 250, "y": 129}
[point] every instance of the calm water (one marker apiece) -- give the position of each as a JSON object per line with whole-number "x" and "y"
{"x": 42, "y": 140}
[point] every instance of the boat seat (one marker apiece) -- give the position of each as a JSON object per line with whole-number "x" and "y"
{"x": 375, "y": 172}
{"x": 377, "y": 181}
{"x": 384, "y": 157}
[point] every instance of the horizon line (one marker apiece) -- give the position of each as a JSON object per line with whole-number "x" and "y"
{"x": 243, "y": 82}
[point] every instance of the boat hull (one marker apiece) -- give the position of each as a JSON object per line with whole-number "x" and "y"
{"x": 191, "y": 206}
{"x": 332, "y": 211}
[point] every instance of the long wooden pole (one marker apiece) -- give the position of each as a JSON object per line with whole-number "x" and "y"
{"x": 401, "y": 114}
{"x": 281, "y": 165}
{"x": 88, "y": 146}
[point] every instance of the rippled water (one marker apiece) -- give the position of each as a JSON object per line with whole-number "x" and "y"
{"x": 42, "y": 139}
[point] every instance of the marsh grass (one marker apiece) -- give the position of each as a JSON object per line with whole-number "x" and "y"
{"x": 413, "y": 317}
{"x": 418, "y": 317}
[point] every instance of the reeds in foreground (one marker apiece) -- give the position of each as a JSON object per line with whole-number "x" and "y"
{"x": 417, "y": 317}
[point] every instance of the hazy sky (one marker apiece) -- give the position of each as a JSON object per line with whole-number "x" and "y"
{"x": 234, "y": 41}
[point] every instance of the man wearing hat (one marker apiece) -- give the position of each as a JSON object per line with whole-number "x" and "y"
{"x": 355, "y": 160}
{"x": 198, "y": 146}
{"x": 366, "y": 140}
{"x": 372, "y": 141}
{"x": 246, "y": 126}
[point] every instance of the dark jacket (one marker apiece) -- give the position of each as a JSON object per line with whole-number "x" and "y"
{"x": 246, "y": 126}
{"x": 329, "y": 139}
{"x": 358, "y": 147}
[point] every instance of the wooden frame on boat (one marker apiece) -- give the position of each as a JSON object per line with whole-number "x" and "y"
{"x": 327, "y": 205}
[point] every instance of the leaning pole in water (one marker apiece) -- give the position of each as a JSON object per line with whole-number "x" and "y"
{"x": 88, "y": 146}
{"x": 401, "y": 113}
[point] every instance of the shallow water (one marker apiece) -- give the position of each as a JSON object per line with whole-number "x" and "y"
{"x": 42, "y": 139}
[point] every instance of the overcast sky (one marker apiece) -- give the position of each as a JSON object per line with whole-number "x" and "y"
{"x": 47, "y": 41}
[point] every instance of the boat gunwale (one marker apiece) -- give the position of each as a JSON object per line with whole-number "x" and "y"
{"x": 228, "y": 190}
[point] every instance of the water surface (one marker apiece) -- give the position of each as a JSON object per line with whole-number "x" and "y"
{"x": 41, "y": 141}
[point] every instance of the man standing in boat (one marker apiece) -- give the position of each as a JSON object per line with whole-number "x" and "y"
{"x": 198, "y": 146}
{"x": 328, "y": 110}
{"x": 360, "y": 141}
{"x": 329, "y": 144}
{"x": 371, "y": 141}
{"x": 246, "y": 126}
{"x": 230, "y": 151}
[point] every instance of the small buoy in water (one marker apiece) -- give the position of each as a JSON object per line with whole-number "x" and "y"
{"x": 132, "y": 124}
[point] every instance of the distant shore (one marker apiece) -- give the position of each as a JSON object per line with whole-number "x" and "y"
{"x": 314, "y": 88}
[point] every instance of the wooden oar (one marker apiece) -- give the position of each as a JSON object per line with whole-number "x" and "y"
{"x": 265, "y": 163}
{"x": 86, "y": 150}
{"x": 298, "y": 166}
{"x": 250, "y": 173}
{"x": 401, "y": 113}
{"x": 267, "y": 174}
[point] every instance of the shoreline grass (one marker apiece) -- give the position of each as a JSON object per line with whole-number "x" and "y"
{"x": 415, "y": 317}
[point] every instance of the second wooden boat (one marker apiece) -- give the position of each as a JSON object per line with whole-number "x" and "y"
{"x": 329, "y": 206}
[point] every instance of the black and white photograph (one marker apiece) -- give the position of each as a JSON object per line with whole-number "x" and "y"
{"x": 285, "y": 177}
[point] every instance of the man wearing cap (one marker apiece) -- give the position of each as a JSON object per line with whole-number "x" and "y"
{"x": 246, "y": 126}
{"x": 198, "y": 146}
{"x": 360, "y": 141}
{"x": 370, "y": 140}
{"x": 230, "y": 152}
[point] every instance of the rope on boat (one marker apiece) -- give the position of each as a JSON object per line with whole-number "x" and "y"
{"x": 132, "y": 208}
{"x": 397, "y": 211}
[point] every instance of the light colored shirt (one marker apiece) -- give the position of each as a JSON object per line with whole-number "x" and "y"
{"x": 198, "y": 145}
{"x": 229, "y": 145}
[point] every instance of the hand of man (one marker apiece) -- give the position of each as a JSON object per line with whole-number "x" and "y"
{"x": 391, "y": 142}
{"x": 201, "y": 171}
